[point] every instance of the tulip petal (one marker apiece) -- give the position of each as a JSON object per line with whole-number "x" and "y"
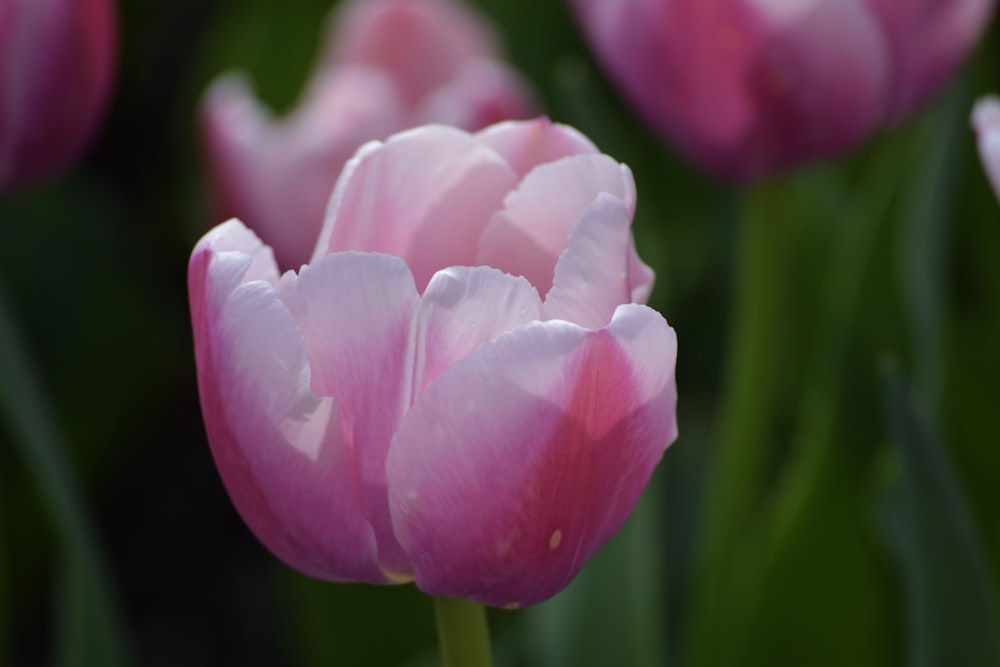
{"x": 421, "y": 42}
{"x": 425, "y": 195}
{"x": 464, "y": 308}
{"x": 483, "y": 92}
{"x": 277, "y": 445}
{"x": 528, "y": 144}
{"x": 355, "y": 312}
{"x": 57, "y": 62}
{"x": 813, "y": 96}
{"x": 525, "y": 457}
{"x": 682, "y": 65}
{"x": 231, "y": 124}
{"x": 527, "y": 237}
{"x": 986, "y": 123}
{"x": 278, "y": 174}
{"x": 927, "y": 40}
{"x": 641, "y": 275}
{"x": 592, "y": 275}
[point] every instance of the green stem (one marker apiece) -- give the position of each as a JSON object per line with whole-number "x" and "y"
{"x": 766, "y": 245}
{"x": 851, "y": 258}
{"x": 463, "y": 632}
{"x": 29, "y": 417}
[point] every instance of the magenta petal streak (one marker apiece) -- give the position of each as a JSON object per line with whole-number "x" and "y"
{"x": 554, "y": 431}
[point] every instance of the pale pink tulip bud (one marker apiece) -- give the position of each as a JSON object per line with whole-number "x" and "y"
{"x": 57, "y": 61}
{"x": 986, "y": 123}
{"x": 387, "y": 65}
{"x": 461, "y": 388}
{"x": 749, "y": 87}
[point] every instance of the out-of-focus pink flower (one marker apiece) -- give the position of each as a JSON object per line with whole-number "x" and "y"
{"x": 986, "y": 123}
{"x": 749, "y": 87}
{"x": 461, "y": 388}
{"x": 57, "y": 62}
{"x": 387, "y": 65}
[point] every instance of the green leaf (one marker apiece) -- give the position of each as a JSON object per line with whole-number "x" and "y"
{"x": 925, "y": 239}
{"x": 92, "y": 623}
{"x": 951, "y": 617}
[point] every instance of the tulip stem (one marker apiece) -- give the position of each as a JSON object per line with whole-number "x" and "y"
{"x": 463, "y": 632}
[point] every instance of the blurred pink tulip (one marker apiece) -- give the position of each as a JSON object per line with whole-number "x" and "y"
{"x": 387, "y": 65}
{"x": 750, "y": 87}
{"x": 407, "y": 406}
{"x": 986, "y": 123}
{"x": 57, "y": 61}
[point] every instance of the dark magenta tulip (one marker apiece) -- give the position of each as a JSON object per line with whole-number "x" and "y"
{"x": 749, "y": 87}
{"x": 57, "y": 60}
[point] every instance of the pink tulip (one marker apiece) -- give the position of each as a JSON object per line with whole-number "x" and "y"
{"x": 986, "y": 123}
{"x": 750, "y": 87}
{"x": 387, "y": 65}
{"x": 407, "y": 406}
{"x": 56, "y": 68}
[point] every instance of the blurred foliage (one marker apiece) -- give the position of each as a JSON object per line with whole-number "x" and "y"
{"x": 951, "y": 613}
{"x": 764, "y": 536}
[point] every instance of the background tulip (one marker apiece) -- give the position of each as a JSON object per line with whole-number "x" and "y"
{"x": 407, "y": 406}
{"x": 749, "y": 87}
{"x": 387, "y": 65}
{"x": 56, "y": 67}
{"x": 986, "y": 123}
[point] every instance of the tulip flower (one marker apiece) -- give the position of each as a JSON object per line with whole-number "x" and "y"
{"x": 749, "y": 87}
{"x": 56, "y": 69}
{"x": 387, "y": 65}
{"x": 408, "y": 405}
{"x": 986, "y": 123}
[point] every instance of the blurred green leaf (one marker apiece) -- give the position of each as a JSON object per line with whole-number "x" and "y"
{"x": 951, "y": 616}
{"x": 4, "y": 589}
{"x": 925, "y": 237}
{"x": 92, "y": 625}
{"x": 763, "y": 364}
{"x": 275, "y": 46}
{"x": 782, "y": 487}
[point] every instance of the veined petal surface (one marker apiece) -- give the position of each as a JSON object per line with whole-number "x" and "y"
{"x": 355, "y": 312}
{"x": 425, "y": 195}
{"x": 277, "y": 445}
{"x": 592, "y": 275}
{"x": 529, "y": 234}
{"x": 554, "y": 430}
{"x": 528, "y": 144}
